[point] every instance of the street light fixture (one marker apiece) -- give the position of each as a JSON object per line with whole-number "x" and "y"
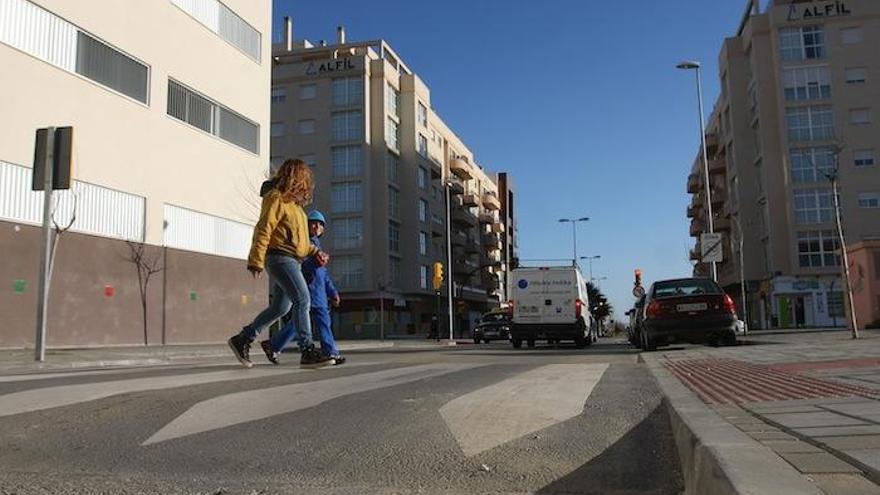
{"x": 574, "y": 222}
{"x": 590, "y": 259}
{"x": 695, "y": 66}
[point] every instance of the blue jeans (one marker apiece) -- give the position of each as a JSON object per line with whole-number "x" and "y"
{"x": 289, "y": 293}
{"x": 322, "y": 321}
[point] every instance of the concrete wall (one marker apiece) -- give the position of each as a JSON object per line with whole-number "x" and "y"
{"x": 206, "y": 297}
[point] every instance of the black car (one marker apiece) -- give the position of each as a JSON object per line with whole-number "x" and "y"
{"x": 494, "y": 325}
{"x": 692, "y": 310}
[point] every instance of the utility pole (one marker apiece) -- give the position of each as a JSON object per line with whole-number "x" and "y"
{"x": 46, "y": 247}
{"x": 451, "y": 279}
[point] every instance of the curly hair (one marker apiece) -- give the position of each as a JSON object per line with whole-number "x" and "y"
{"x": 294, "y": 180}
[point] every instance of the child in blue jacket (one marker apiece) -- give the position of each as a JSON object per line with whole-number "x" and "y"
{"x": 323, "y": 293}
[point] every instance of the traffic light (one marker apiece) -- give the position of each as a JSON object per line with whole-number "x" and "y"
{"x": 638, "y": 277}
{"x": 438, "y": 275}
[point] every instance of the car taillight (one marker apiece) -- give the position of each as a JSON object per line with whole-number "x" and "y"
{"x": 653, "y": 310}
{"x": 578, "y": 307}
{"x": 729, "y": 304}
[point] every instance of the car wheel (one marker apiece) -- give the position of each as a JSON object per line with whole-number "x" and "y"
{"x": 648, "y": 344}
{"x": 516, "y": 343}
{"x": 729, "y": 339}
{"x": 580, "y": 342}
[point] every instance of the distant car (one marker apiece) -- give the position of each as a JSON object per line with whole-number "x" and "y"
{"x": 692, "y": 310}
{"x": 494, "y": 325}
{"x": 636, "y": 315}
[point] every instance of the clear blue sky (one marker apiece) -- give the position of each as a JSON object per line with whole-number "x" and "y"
{"x": 580, "y": 101}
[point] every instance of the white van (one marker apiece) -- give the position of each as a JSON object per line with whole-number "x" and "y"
{"x": 550, "y": 303}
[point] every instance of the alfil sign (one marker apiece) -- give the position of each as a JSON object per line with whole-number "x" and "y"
{"x": 797, "y": 12}
{"x": 314, "y": 69}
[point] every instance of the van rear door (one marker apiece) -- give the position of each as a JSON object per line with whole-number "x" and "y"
{"x": 559, "y": 294}
{"x": 527, "y": 295}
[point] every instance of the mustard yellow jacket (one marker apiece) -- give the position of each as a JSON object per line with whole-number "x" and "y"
{"x": 283, "y": 227}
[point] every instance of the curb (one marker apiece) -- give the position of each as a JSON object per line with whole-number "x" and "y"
{"x": 716, "y": 457}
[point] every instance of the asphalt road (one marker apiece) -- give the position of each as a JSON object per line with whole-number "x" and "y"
{"x": 472, "y": 419}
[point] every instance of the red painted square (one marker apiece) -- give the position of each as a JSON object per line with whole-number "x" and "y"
{"x": 109, "y": 291}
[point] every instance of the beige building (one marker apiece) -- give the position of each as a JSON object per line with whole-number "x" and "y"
{"x": 798, "y": 79}
{"x": 169, "y": 102}
{"x": 382, "y": 159}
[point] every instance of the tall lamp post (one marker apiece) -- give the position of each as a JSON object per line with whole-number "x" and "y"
{"x": 574, "y": 236}
{"x": 695, "y": 66}
{"x": 590, "y": 259}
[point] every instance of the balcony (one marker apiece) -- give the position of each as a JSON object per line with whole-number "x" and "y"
{"x": 490, "y": 200}
{"x": 458, "y": 239}
{"x": 712, "y": 143}
{"x": 696, "y": 228}
{"x": 492, "y": 241}
{"x": 695, "y": 254}
{"x": 718, "y": 166}
{"x": 455, "y": 185}
{"x": 463, "y": 217}
{"x": 460, "y": 168}
{"x": 470, "y": 200}
{"x": 693, "y": 184}
{"x": 472, "y": 246}
{"x": 498, "y": 228}
{"x": 487, "y": 218}
{"x": 692, "y": 211}
{"x": 722, "y": 224}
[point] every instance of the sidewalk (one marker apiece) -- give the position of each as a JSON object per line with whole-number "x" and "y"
{"x": 13, "y": 361}
{"x": 811, "y": 398}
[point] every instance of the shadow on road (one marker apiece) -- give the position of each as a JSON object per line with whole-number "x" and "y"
{"x": 644, "y": 461}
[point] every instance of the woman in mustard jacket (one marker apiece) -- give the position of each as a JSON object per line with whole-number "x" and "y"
{"x": 280, "y": 245}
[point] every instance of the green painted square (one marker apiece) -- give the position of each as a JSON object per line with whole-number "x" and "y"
{"x": 20, "y": 286}
{"x": 193, "y": 295}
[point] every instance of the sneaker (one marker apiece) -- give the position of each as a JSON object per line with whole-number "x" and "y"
{"x": 242, "y": 350}
{"x": 339, "y": 360}
{"x": 271, "y": 355}
{"x": 314, "y": 359}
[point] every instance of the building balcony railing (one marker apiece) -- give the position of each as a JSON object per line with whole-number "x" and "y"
{"x": 470, "y": 200}
{"x": 491, "y": 201}
{"x": 458, "y": 239}
{"x": 472, "y": 246}
{"x": 455, "y": 185}
{"x": 718, "y": 166}
{"x": 696, "y": 228}
{"x": 492, "y": 241}
{"x": 498, "y": 228}
{"x": 722, "y": 224}
{"x": 487, "y": 218}
{"x": 463, "y": 217}
{"x": 693, "y": 210}
{"x": 695, "y": 254}
{"x": 693, "y": 184}
{"x": 460, "y": 168}
{"x": 712, "y": 142}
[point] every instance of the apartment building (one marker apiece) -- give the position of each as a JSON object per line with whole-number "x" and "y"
{"x": 799, "y": 99}
{"x": 169, "y": 104}
{"x": 384, "y": 162}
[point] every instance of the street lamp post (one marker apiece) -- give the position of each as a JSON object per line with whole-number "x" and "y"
{"x": 695, "y": 66}
{"x": 449, "y": 274}
{"x": 590, "y": 259}
{"x": 574, "y": 222}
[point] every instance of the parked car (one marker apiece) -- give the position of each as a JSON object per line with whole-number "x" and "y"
{"x": 692, "y": 310}
{"x": 494, "y": 325}
{"x": 635, "y": 320}
{"x": 550, "y": 303}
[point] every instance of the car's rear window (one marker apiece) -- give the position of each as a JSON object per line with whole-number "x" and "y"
{"x": 692, "y": 287}
{"x": 493, "y": 317}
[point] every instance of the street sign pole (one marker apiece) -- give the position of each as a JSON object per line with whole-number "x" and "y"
{"x": 46, "y": 251}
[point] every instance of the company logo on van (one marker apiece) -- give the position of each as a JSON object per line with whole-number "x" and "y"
{"x": 523, "y": 283}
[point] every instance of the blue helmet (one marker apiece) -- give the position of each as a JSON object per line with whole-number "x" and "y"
{"x": 317, "y": 216}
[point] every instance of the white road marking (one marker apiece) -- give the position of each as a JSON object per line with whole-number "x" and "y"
{"x": 528, "y": 402}
{"x": 244, "y": 407}
{"x": 64, "y": 395}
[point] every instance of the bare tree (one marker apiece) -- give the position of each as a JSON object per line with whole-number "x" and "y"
{"x": 146, "y": 265}
{"x": 59, "y": 230}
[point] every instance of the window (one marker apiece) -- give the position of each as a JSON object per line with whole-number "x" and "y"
{"x": 423, "y": 115}
{"x": 347, "y": 233}
{"x": 347, "y": 271}
{"x": 802, "y": 43}
{"x": 279, "y": 95}
{"x": 392, "y": 134}
{"x": 856, "y": 75}
{"x": 225, "y": 23}
{"x": 308, "y": 91}
{"x": 394, "y": 236}
{"x": 394, "y": 271}
{"x": 818, "y": 249}
{"x": 393, "y": 202}
{"x": 346, "y": 161}
{"x": 807, "y": 83}
{"x": 423, "y": 277}
{"x": 196, "y": 231}
{"x": 106, "y": 65}
{"x": 198, "y": 111}
{"x": 392, "y": 100}
{"x": 422, "y": 145}
{"x": 347, "y": 126}
{"x": 424, "y": 214}
{"x": 860, "y": 116}
{"x": 306, "y": 127}
{"x": 423, "y": 243}
{"x": 851, "y": 36}
{"x": 835, "y": 304}
{"x": 869, "y": 200}
{"x": 346, "y": 197}
{"x": 811, "y": 164}
{"x": 309, "y": 159}
{"x": 392, "y": 167}
{"x": 863, "y": 158}
{"x": 810, "y": 123}
{"x": 277, "y": 129}
{"x": 813, "y": 206}
{"x": 423, "y": 178}
{"x": 347, "y": 91}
